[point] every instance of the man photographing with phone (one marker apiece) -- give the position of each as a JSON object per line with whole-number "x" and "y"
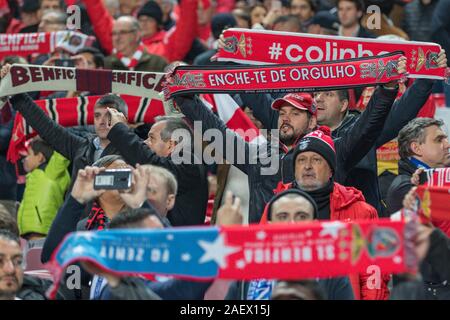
{"x": 82, "y": 151}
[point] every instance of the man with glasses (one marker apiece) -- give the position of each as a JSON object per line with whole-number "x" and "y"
{"x": 11, "y": 269}
{"x": 129, "y": 52}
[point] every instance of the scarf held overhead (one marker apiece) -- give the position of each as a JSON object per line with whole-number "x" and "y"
{"x": 284, "y": 78}
{"x": 69, "y": 112}
{"x": 27, "y": 78}
{"x": 286, "y": 47}
{"x": 277, "y": 251}
{"x": 24, "y": 44}
{"x": 435, "y": 195}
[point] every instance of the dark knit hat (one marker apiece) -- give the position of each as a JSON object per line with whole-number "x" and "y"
{"x": 318, "y": 141}
{"x": 220, "y": 22}
{"x": 153, "y": 10}
{"x": 291, "y": 191}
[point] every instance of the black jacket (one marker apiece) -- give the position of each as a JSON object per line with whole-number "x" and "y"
{"x": 172, "y": 289}
{"x": 8, "y": 184}
{"x": 364, "y": 176}
{"x": 436, "y": 264}
{"x": 350, "y": 148}
{"x": 79, "y": 150}
{"x": 334, "y": 289}
{"x": 400, "y": 186}
{"x": 67, "y": 221}
{"x": 440, "y": 25}
{"x": 192, "y": 196}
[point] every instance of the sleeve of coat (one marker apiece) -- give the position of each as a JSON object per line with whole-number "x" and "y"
{"x": 195, "y": 110}
{"x": 405, "y": 109}
{"x": 438, "y": 255}
{"x": 102, "y": 23}
{"x": 134, "y": 150}
{"x": 60, "y": 138}
{"x": 356, "y": 142}
{"x": 261, "y": 105}
{"x": 65, "y": 222}
{"x": 179, "y": 40}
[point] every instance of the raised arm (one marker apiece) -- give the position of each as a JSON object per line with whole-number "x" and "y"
{"x": 60, "y": 138}
{"x": 356, "y": 142}
{"x": 194, "y": 109}
{"x": 261, "y": 105}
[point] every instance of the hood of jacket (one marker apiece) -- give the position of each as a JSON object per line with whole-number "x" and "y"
{"x": 341, "y": 198}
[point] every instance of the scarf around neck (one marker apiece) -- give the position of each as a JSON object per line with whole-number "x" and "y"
{"x": 322, "y": 198}
{"x": 132, "y": 62}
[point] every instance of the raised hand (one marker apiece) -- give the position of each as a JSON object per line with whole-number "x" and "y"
{"x": 83, "y": 188}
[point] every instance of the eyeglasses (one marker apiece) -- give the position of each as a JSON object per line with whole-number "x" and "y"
{"x": 16, "y": 261}
{"x": 122, "y": 32}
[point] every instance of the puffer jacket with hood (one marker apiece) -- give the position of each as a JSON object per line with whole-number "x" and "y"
{"x": 44, "y": 194}
{"x": 347, "y": 204}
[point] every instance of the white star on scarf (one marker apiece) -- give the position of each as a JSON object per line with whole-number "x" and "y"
{"x": 331, "y": 228}
{"x": 185, "y": 257}
{"x": 216, "y": 251}
{"x": 78, "y": 250}
{"x": 88, "y": 235}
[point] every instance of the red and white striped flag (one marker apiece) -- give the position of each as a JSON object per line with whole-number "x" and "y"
{"x": 229, "y": 111}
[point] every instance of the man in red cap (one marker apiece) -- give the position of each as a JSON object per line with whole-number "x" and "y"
{"x": 297, "y": 117}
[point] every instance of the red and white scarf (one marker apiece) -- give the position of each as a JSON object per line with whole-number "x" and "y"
{"x": 272, "y": 47}
{"x": 24, "y": 44}
{"x": 332, "y": 75}
{"x": 132, "y": 62}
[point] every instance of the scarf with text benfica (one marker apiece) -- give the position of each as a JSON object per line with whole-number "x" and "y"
{"x": 24, "y": 44}
{"x": 331, "y": 75}
{"x": 286, "y": 47}
{"x": 26, "y": 78}
{"x": 315, "y": 249}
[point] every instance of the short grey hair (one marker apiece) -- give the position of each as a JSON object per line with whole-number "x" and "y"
{"x": 134, "y": 22}
{"x": 169, "y": 178}
{"x": 414, "y": 131}
{"x": 172, "y": 124}
{"x": 106, "y": 161}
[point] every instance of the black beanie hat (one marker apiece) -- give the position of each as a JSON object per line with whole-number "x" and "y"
{"x": 152, "y": 10}
{"x": 318, "y": 141}
{"x": 291, "y": 191}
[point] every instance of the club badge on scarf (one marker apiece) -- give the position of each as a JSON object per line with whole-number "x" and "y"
{"x": 284, "y": 78}
{"x": 25, "y": 78}
{"x": 435, "y": 195}
{"x": 24, "y": 44}
{"x": 278, "y": 251}
{"x": 286, "y": 47}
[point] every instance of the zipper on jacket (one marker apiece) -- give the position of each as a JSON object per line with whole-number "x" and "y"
{"x": 38, "y": 215}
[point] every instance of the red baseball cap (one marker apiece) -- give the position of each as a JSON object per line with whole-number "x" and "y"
{"x": 302, "y": 101}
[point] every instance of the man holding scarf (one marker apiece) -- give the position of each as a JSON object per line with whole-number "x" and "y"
{"x": 315, "y": 165}
{"x": 297, "y": 118}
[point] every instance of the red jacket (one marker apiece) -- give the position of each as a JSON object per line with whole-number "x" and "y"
{"x": 348, "y": 203}
{"x": 172, "y": 45}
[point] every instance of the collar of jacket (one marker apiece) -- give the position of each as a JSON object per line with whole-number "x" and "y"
{"x": 406, "y": 167}
{"x": 349, "y": 119}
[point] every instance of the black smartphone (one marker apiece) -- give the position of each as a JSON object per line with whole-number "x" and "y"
{"x": 113, "y": 179}
{"x": 64, "y": 63}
